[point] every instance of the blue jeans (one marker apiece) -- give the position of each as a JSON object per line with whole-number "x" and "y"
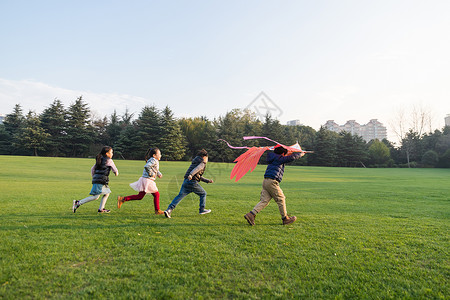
{"x": 189, "y": 186}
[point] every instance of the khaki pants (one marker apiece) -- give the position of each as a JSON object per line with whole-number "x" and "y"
{"x": 271, "y": 189}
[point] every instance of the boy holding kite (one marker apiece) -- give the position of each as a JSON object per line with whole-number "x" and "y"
{"x": 274, "y": 174}
{"x": 271, "y": 185}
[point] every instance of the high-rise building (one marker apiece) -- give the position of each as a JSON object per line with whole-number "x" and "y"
{"x": 373, "y": 130}
{"x": 353, "y": 127}
{"x": 370, "y": 131}
{"x": 447, "y": 120}
{"x": 294, "y": 123}
{"x": 332, "y": 126}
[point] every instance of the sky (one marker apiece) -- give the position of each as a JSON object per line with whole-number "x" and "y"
{"x": 308, "y": 60}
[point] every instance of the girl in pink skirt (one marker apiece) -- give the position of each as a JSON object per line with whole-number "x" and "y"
{"x": 146, "y": 184}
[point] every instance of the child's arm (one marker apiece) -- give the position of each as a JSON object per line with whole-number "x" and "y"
{"x": 152, "y": 168}
{"x": 206, "y": 180}
{"x": 196, "y": 170}
{"x": 111, "y": 164}
{"x": 289, "y": 158}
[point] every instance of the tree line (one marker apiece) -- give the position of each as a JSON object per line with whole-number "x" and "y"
{"x": 75, "y": 132}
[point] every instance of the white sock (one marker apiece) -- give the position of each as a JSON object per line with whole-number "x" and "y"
{"x": 103, "y": 201}
{"x": 88, "y": 199}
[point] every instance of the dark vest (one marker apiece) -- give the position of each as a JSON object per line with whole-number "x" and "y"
{"x": 101, "y": 173}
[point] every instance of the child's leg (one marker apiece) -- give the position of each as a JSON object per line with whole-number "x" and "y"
{"x": 184, "y": 191}
{"x": 264, "y": 200}
{"x": 200, "y": 191}
{"x": 156, "y": 200}
{"x": 88, "y": 199}
{"x": 277, "y": 194}
{"x": 103, "y": 201}
{"x": 134, "y": 197}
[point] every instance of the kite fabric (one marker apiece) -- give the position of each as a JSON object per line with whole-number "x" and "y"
{"x": 249, "y": 159}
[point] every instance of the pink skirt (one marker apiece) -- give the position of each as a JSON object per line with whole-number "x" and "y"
{"x": 144, "y": 185}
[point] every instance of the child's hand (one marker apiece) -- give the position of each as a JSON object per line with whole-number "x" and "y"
{"x": 190, "y": 177}
{"x": 211, "y": 181}
{"x": 159, "y": 175}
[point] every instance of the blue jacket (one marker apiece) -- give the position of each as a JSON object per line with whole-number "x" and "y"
{"x": 275, "y": 169}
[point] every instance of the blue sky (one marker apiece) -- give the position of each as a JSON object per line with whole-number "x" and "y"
{"x": 317, "y": 60}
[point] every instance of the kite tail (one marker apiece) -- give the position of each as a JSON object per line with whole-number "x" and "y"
{"x": 232, "y": 147}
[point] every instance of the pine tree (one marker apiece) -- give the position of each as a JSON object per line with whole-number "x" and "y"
{"x": 32, "y": 136}
{"x": 13, "y": 125}
{"x": 113, "y": 129}
{"x": 79, "y": 131}
{"x": 172, "y": 143}
{"x": 148, "y": 128}
{"x": 325, "y": 153}
{"x": 53, "y": 120}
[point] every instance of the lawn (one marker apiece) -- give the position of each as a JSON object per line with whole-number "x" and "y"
{"x": 361, "y": 233}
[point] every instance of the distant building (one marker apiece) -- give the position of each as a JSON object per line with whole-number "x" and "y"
{"x": 2, "y": 118}
{"x": 447, "y": 120}
{"x": 370, "y": 131}
{"x": 294, "y": 123}
{"x": 373, "y": 130}
{"x": 332, "y": 126}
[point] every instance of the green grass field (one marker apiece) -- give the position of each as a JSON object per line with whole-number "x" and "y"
{"x": 361, "y": 234}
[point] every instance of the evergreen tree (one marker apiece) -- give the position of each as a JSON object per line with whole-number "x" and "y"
{"x": 350, "y": 150}
{"x": 149, "y": 128}
{"x": 79, "y": 131}
{"x": 5, "y": 141}
{"x": 99, "y": 127}
{"x": 53, "y": 120}
{"x": 113, "y": 129}
{"x": 325, "y": 147}
{"x": 128, "y": 144}
{"x": 32, "y": 136}
{"x": 172, "y": 143}
{"x": 272, "y": 129}
{"x": 13, "y": 125}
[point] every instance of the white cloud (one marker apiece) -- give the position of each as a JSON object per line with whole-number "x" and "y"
{"x": 33, "y": 95}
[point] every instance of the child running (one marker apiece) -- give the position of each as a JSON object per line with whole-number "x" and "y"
{"x": 146, "y": 184}
{"x": 100, "y": 178}
{"x": 191, "y": 184}
{"x": 271, "y": 185}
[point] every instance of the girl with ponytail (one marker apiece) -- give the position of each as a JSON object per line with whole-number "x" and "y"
{"x": 146, "y": 184}
{"x": 100, "y": 179}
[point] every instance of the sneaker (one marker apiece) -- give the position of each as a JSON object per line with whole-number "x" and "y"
{"x": 119, "y": 201}
{"x": 167, "y": 213}
{"x": 75, "y": 205}
{"x": 159, "y": 212}
{"x": 250, "y": 217}
{"x": 106, "y": 211}
{"x": 205, "y": 211}
{"x": 289, "y": 220}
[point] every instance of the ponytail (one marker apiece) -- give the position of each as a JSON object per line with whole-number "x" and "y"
{"x": 98, "y": 158}
{"x": 150, "y": 153}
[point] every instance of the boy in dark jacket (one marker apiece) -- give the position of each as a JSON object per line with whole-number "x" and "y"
{"x": 271, "y": 185}
{"x": 193, "y": 175}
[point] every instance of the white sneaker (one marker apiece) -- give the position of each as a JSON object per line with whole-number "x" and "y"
{"x": 167, "y": 213}
{"x": 205, "y": 211}
{"x": 75, "y": 205}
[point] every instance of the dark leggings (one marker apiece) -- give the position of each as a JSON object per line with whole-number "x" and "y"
{"x": 141, "y": 195}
